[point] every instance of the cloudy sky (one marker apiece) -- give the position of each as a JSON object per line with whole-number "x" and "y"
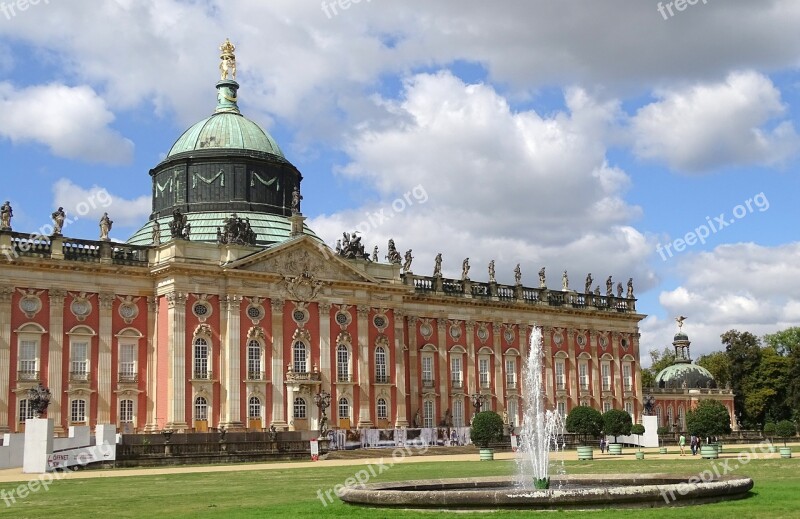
{"x": 621, "y": 137}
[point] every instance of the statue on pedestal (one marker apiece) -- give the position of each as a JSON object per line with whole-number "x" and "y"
{"x": 517, "y": 275}
{"x": 5, "y": 216}
{"x": 407, "y": 262}
{"x": 105, "y": 227}
{"x": 609, "y": 287}
{"x": 492, "y": 272}
{"x": 296, "y": 198}
{"x": 542, "y": 279}
{"x": 564, "y": 281}
{"x": 59, "y": 216}
{"x": 227, "y": 64}
{"x": 629, "y": 295}
{"x": 156, "y": 233}
{"x": 375, "y": 255}
{"x": 437, "y": 265}
{"x": 39, "y": 400}
{"x": 619, "y": 290}
{"x": 589, "y": 280}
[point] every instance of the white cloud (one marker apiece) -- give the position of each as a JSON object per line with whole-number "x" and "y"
{"x": 504, "y": 185}
{"x": 710, "y": 126}
{"x": 72, "y": 121}
{"x": 90, "y": 204}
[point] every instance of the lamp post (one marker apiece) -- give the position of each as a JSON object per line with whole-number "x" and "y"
{"x": 477, "y": 402}
{"x": 323, "y": 401}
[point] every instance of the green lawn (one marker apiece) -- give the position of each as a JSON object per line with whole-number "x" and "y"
{"x": 293, "y": 493}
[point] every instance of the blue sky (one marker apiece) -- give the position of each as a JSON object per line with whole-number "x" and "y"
{"x": 562, "y": 134}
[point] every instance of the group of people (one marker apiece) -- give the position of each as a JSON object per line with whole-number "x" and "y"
{"x": 694, "y": 444}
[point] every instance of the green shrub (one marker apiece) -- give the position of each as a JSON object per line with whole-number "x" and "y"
{"x": 785, "y": 429}
{"x": 617, "y": 423}
{"x": 585, "y": 421}
{"x": 487, "y": 427}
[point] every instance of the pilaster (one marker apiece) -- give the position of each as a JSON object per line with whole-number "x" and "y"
{"x": 55, "y": 358}
{"x": 325, "y": 344}
{"x": 413, "y": 365}
{"x": 176, "y": 389}
{"x": 441, "y": 350}
{"x": 5, "y": 356}
{"x": 364, "y": 404}
{"x": 499, "y": 381}
{"x": 401, "y": 419}
{"x": 151, "y": 424}
{"x": 278, "y": 366}
{"x": 231, "y": 397}
{"x": 104, "y": 371}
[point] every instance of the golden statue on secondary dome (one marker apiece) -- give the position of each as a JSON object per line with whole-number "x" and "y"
{"x": 228, "y": 64}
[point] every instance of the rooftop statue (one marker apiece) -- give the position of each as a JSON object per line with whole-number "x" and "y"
{"x": 630, "y": 289}
{"x": 59, "y": 216}
{"x": 542, "y": 279}
{"x": 228, "y": 64}
{"x": 156, "y": 233}
{"x": 589, "y": 280}
{"x": 619, "y": 290}
{"x": 517, "y": 275}
{"x": 609, "y": 287}
{"x": 105, "y": 227}
{"x": 407, "y": 263}
{"x": 375, "y": 255}
{"x": 393, "y": 256}
{"x": 296, "y": 198}
{"x": 492, "y": 272}
{"x": 564, "y": 281}
{"x": 465, "y": 269}
{"x": 437, "y": 265}
{"x": 5, "y": 216}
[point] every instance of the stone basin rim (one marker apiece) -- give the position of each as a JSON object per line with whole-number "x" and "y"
{"x": 638, "y": 491}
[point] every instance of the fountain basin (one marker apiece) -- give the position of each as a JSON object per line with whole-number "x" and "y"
{"x": 566, "y": 492}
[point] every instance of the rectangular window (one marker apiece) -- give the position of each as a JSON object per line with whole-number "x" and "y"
{"x": 200, "y": 359}
{"x": 127, "y": 362}
{"x": 254, "y": 360}
{"x": 427, "y": 371}
{"x": 126, "y": 411}
{"x": 512, "y": 412}
{"x": 383, "y": 411}
{"x": 561, "y": 382}
{"x": 606, "y": 406}
{"x": 458, "y": 413}
{"x": 562, "y": 409}
{"x": 79, "y": 361}
{"x": 583, "y": 369}
{"x": 428, "y": 412}
{"x": 483, "y": 372}
{"x": 28, "y": 366}
{"x": 626, "y": 377}
{"x": 511, "y": 373}
{"x": 606, "y": 376}
{"x": 455, "y": 371}
{"x": 629, "y": 408}
{"x": 25, "y": 410}
{"x": 78, "y": 411}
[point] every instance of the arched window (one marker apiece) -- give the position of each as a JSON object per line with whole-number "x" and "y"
{"x": 201, "y": 359}
{"x": 458, "y": 413}
{"x": 299, "y": 358}
{"x": 254, "y": 369}
{"x": 512, "y": 412}
{"x": 681, "y": 419}
{"x": 344, "y": 408}
{"x": 383, "y": 410}
{"x": 254, "y": 407}
{"x": 380, "y": 366}
{"x": 427, "y": 411}
{"x": 342, "y": 363}
{"x": 670, "y": 421}
{"x": 200, "y": 408}
{"x": 659, "y": 418}
{"x": 78, "y": 411}
{"x": 299, "y": 410}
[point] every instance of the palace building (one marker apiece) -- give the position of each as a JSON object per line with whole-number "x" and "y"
{"x": 226, "y": 310}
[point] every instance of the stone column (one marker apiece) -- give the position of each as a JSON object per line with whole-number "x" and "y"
{"x": 278, "y": 366}
{"x": 325, "y": 344}
{"x": 5, "y": 357}
{"x": 231, "y": 395}
{"x": 176, "y": 389}
{"x": 152, "y": 366}
{"x": 413, "y": 370}
{"x": 619, "y": 386}
{"x": 469, "y": 383}
{"x": 441, "y": 350}
{"x": 550, "y": 368}
{"x": 401, "y": 418}
{"x": 499, "y": 382}
{"x": 104, "y": 368}
{"x": 364, "y": 403}
{"x": 55, "y": 358}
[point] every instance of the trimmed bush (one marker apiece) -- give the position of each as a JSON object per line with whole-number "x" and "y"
{"x": 617, "y": 423}
{"x": 585, "y": 421}
{"x": 487, "y": 428}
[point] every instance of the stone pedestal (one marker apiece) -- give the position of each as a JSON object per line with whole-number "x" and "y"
{"x": 38, "y": 445}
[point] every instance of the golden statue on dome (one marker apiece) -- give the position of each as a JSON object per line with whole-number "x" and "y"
{"x": 228, "y": 64}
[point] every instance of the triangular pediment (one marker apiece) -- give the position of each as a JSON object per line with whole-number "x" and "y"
{"x": 304, "y": 260}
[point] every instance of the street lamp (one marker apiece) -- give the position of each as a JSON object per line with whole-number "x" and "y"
{"x": 323, "y": 401}
{"x": 477, "y": 402}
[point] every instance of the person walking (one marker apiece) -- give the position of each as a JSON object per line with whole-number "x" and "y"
{"x": 602, "y": 445}
{"x": 682, "y": 443}
{"x": 693, "y": 444}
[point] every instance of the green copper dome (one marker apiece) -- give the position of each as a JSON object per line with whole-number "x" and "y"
{"x": 691, "y": 376}
{"x": 226, "y": 131}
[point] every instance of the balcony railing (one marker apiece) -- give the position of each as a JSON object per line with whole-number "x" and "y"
{"x": 255, "y": 375}
{"x": 296, "y": 376}
{"x": 484, "y": 384}
{"x": 28, "y": 375}
{"x": 561, "y": 385}
{"x": 457, "y": 383}
{"x": 202, "y": 375}
{"x": 79, "y": 376}
{"x": 344, "y": 378}
{"x": 130, "y": 377}
{"x": 427, "y": 382}
{"x": 381, "y": 379}
{"x": 511, "y": 384}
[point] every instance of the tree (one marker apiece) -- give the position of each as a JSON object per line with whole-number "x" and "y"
{"x": 487, "y": 428}
{"x": 718, "y": 365}
{"x": 617, "y": 423}
{"x": 744, "y": 354}
{"x": 585, "y": 421}
{"x": 658, "y": 361}
{"x": 787, "y": 344}
{"x": 709, "y": 418}
{"x": 661, "y": 431}
{"x": 769, "y": 430}
{"x": 638, "y": 430}
{"x": 785, "y": 429}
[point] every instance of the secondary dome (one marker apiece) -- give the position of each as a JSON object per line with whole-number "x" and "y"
{"x": 689, "y": 376}
{"x": 226, "y": 130}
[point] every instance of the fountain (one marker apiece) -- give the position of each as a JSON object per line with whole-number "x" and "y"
{"x": 531, "y": 489}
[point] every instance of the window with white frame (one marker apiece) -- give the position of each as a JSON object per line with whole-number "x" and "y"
{"x": 670, "y": 416}
{"x": 681, "y": 420}
{"x": 201, "y": 359}
{"x": 456, "y": 371}
{"x": 344, "y": 408}
{"x": 458, "y": 413}
{"x": 25, "y": 410}
{"x": 28, "y": 364}
{"x": 381, "y": 376}
{"x": 561, "y": 382}
{"x": 427, "y": 370}
{"x": 606, "y": 406}
{"x": 511, "y": 373}
{"x": 77, "y": 411}
{"x": 79, "y": 360}
{"x": 200, "y": 409}
{"x": 254, "y": 363}
{"x": 254, "y": 408}
{"x": 483, "y": 372}
{"x": 342, "y": 363}
{"x": 606, "y": 373}
{"x": 583, "y": 372}
{"x": 659, "y": 419}
{"x": 299, "y": 358}
{"x": 383, "y": 409}
{"x": 299, "y": 408}
{"x": 562, "y": 408}
{"x": 127, "y": 362}
{"x": 427, "y": 412}
{"x": 629, "y": 408}
{"x": 512, "y": 411}
{"x": 626, "y": 377}
{"x": 126, "y": 411}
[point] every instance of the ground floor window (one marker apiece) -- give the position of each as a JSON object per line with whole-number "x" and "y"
{"x": 200, "y": 408}
{"x": 383, "y": 410}
{"x": 299, "y": 408}
{"x": 25, "y": 410}
{"x": 78, "y": 411}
